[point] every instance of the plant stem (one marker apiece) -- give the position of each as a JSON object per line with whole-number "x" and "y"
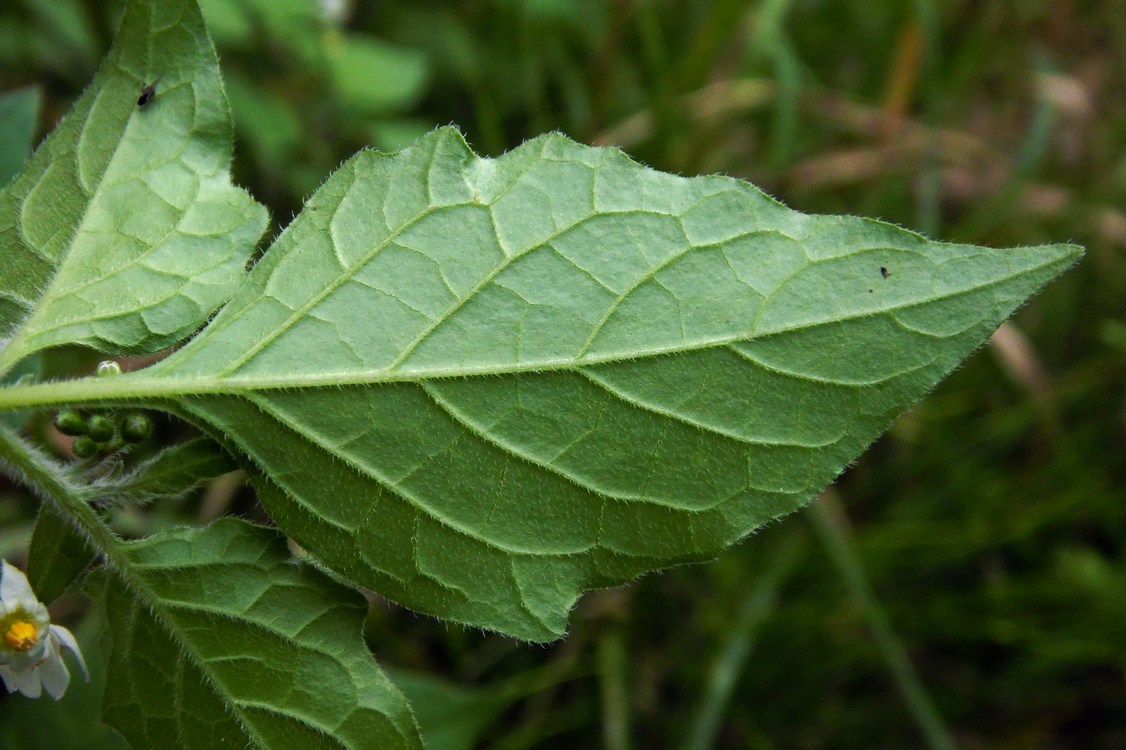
{"x": 831, "y": 524}
{"x": 615, "y": 695}
{"x": 732, "y": 657}
{"x": 49, "y": 481}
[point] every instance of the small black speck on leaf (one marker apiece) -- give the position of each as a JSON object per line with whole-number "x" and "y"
{"x": 148, "y": 93}
{"x": 884, "y": 272}
{"x": 869, "y": 291}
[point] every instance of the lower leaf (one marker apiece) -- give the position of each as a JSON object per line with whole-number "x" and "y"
{"x": 216, "y": 637}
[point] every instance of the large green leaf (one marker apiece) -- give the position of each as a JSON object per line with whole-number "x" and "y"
{"x": 482, "y": 386}
{"x": 124, "y": 232}
{"x": 216, "y": 637}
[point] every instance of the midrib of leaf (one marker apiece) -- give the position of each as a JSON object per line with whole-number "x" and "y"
{"x": 152, "y": 384}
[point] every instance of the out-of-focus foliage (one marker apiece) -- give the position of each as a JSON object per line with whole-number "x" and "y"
{"x": 307, "y": 90}
{"x": 19, "y": 111}
{"x": 990, "y": 523}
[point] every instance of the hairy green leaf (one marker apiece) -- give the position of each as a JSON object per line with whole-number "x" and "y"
{"x": 171, "y": 472}
{"x": 483, "y": 386}
{"x": 124, "y": 232}
{"x": 216, "y": 637}
{"x": 525, "y": 377}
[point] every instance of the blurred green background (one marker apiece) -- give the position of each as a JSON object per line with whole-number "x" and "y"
{"x": 964, "y": 583}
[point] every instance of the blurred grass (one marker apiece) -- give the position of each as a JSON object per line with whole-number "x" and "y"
{"x": 989, "y": 525}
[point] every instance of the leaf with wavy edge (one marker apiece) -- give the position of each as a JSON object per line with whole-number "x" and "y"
{"x": 124, "y": 232}
{"x": 483, "y": 386}
{"x": 216, "y": 637}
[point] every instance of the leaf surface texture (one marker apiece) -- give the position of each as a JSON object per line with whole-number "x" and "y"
{"x": 216, "y": 637}
{"x": 124, "y": 232}
{"x": 483, "y": 386}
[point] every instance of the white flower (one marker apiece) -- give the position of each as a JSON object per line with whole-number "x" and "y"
{"x": 31, "y": 659}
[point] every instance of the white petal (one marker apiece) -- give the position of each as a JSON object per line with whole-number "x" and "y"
{"x": 14, "y": 585}
{"x": 67, "y": 638}
{"x": 54, "y": 674}
{"x": 17, "y": 595}
{"x": 8, "y": 676}
{"x": 27, "y": 683}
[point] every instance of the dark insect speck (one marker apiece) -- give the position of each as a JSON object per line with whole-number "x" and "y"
{"x": 884, "y": 272}
{"x": 148, "y": 93}
{"x": 869, "y": 291}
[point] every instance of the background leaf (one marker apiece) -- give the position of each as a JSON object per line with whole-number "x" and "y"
{"x": 124, "y": 232}
{"x": 19, "y": 111}
{"x": 57, "y": 555}
{"x": 219, "y": 636}
{"x": 450, "y": 717}
{"x": 530, "y": 376}
{"x": 373, "y": 76}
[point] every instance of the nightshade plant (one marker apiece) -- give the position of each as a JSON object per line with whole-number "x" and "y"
{"x": 479, "y": 387}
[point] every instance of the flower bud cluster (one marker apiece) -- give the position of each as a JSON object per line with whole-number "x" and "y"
{"x": 99, "y": 431}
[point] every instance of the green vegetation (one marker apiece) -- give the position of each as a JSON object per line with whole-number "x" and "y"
{"x": 963, "y": 584}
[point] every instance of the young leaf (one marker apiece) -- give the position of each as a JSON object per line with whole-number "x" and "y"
{"x": 123, "y": 232}
{"x": 217, "y": 638}
{"x": 171, "y": 472}
{"x": 484, "y": 386}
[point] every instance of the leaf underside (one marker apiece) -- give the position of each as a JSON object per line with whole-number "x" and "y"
{"x": 219, "y": 639}
{"x": 123, "y": 232}
{"x": 481, "y": 387}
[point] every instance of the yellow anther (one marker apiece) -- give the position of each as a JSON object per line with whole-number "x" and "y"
{"x": 21, "y": 636}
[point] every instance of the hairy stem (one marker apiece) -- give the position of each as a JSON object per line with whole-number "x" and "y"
{"x": 51, "y": 483}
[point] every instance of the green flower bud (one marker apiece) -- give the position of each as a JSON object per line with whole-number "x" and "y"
{"x": 84, "y": 446}
{"x": 99, "y": 427}
{"x": 135, "y": 427}
{"x": 70, "y": 422}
